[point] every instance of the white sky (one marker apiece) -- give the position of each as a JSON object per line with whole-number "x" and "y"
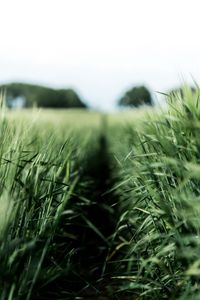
{"x": 100, "y": 47}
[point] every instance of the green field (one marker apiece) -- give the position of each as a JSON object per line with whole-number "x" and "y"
{"x": 101, "y": 206}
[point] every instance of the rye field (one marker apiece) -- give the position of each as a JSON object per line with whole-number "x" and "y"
{"x": 101, "y": 206}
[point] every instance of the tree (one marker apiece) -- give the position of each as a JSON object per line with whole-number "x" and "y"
{"x": 136, "y": 96}
{"x": 41, "y": 96}
{"x": 182, "y": 90}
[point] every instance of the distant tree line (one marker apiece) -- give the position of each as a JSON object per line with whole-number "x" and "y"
{"x": 28, "y": 95}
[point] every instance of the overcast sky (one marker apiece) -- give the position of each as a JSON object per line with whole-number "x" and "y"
{"x": 100, "y": 47}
